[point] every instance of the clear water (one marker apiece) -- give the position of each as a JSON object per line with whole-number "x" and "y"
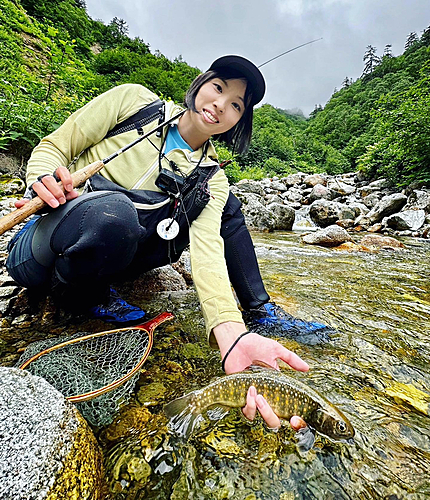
{"x": 376, "y": 369}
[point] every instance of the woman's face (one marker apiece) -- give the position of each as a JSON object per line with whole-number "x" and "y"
{"x": 220, "y": 105}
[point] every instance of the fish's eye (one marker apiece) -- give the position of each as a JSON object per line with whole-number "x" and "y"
{"x": 341, "y": 426}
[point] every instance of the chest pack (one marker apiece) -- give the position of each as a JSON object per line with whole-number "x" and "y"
{"x": 154, "y": 206}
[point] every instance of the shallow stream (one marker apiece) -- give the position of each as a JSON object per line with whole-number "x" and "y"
{"x": 376, "y": 369}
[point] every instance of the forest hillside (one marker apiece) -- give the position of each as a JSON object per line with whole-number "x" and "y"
{"x": 55, "y": 58}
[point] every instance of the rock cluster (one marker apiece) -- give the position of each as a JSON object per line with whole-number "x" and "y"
{"x": 303, "y": 201}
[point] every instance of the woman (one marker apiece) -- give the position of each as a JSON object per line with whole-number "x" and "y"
{"x": 89, "y": 240}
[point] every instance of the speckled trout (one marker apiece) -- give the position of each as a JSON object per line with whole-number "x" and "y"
{"x": 286, "y": 395}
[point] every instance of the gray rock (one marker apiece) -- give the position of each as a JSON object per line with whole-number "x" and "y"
{"x": 294, "y": 195}
{"x": 324, "y": 213}
{"x": 348, "y": 178}
{"x": 359, "y": 208}
{"x": 285, "y": 216}
{"x": 345, "y": 223}
{"x": 372, "y": 199}
{"x": 274, "y": 198}
{"x": 342, "y": 188}
{"x": 257, "y": 216}
{"x": 330, "y": 236}
{"x": 419, "y": 199}
{"x": 408, "y": 220}
{"x": 389, "y": 205}
{"x": 374, "y": 186}
{"x": 250, "y": 186}
{"x": 314, "y": 179}
{"x": 293, "y": 179}
{"x": 278, "y": 186}
{"x": 346, "y": 212}
{"x": 46, "y": 448}
{"x": 320, "y": 192}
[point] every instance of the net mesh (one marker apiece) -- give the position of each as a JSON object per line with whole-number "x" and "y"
{"x": 91, "y": 364}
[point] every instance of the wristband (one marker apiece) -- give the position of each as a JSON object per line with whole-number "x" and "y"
{"x": 231, "y": 348}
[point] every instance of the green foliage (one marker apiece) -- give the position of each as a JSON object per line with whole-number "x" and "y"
{"x": 402, "y": 149}
{"x": 49, "y": 69}
{"x": 55, "y": 58}
{"x": 361, "y": 120}
{"x": 233, "y": 170}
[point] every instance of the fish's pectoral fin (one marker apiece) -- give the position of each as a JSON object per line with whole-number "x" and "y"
{"x": 259, "y": 365}
{"x": 217, "y": 412}
{"x": 305, "y": 439}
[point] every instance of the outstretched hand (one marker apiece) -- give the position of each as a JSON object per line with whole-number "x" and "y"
{"x": 252, "y": 347}
{"x": 49, "y": 190}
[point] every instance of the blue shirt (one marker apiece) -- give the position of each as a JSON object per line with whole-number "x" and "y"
{"x": 174, "y": 140}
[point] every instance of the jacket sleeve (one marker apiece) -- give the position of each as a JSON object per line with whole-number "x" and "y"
{"x": 85, "y": 127}
{"x": 208, "y": 266}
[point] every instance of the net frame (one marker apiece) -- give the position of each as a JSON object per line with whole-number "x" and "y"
{"x": 147, "y": 327}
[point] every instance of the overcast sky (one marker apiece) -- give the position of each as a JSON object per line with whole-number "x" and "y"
{"x": 202, "y": 30}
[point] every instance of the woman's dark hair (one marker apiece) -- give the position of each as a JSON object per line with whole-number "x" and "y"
{"x": 239, "y": 136}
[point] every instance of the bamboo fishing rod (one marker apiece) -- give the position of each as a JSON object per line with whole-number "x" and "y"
{"x": 78, "y": 178}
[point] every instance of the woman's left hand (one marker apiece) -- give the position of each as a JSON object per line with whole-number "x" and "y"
{"x": 250, "y": 348}
{"x": 253, "y": 347}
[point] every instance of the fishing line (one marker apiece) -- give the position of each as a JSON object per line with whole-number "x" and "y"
{"x": 286, "y": 52}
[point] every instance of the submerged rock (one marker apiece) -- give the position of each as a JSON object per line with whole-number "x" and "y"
{"x": 375, "y": 240}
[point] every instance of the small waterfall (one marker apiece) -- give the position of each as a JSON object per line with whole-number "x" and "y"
{"x": 303, "y": 222}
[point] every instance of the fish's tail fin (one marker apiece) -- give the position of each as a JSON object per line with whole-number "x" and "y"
{"x": 184, "y": 417}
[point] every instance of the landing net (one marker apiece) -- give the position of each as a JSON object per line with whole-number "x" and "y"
{"x": 97, "y": 371}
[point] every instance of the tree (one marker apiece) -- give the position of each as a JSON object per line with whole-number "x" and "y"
{"x": 402, "y": 147}
{"x": 425, "y": 37}
{"x": 347, "y": 82}
{"x": 411, "y": 40}
{"x": 371, "y": 60}
{"x": 387, "y": 51}
{"x": 121, "y": 26}
{"x": 315, "y": 111}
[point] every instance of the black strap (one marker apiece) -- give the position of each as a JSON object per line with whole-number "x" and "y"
{"x": 145, "y": 115}
{"x": 231, "y": 348}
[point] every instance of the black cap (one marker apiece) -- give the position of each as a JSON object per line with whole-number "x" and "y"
{"x": 248, "y": 69}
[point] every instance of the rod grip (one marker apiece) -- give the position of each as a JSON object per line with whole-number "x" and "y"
{"x": 78, "y": 178}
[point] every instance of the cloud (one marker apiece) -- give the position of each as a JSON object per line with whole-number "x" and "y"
{"x": 201, "y": 31}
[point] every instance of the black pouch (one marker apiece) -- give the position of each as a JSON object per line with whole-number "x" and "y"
{"x": 151, "y": 206}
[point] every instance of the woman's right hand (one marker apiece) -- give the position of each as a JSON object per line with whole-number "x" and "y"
{"x": 50, "y": 192}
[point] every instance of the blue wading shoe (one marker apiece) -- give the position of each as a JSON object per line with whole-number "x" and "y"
{"x": 116, "y": 310}
{"x": 271, "y": 320}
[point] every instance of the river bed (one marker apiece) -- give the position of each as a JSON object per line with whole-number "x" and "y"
{"x": 375, "y": 369}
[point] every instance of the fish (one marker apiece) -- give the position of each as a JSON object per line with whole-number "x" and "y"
{"x": 286, "y": 395}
